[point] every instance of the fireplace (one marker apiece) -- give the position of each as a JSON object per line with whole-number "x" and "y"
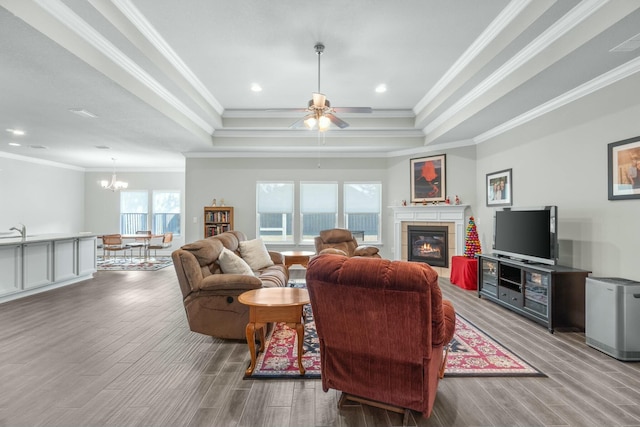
{"x": 429, "y": 244}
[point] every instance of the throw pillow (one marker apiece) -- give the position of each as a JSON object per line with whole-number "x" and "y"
{"x": 255, "y": 253}
{"x": 230, "y": 263}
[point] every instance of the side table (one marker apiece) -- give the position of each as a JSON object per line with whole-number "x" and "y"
{"x": 297, "y": 257}
{"x": 274, "y": 305}
{"x": 464, "y": 272}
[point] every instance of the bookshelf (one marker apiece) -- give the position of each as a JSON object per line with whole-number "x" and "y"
{"x": 217, "y": 220}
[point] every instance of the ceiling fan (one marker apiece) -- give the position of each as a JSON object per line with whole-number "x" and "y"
{"x": 320, "y": 114}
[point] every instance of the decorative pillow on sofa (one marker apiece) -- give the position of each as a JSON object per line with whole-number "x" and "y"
{"x": 230, "y": 263}
{"x": 255, "y": 253}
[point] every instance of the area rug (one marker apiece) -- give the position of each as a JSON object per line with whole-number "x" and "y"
{"x": 473, "y": 353}
{"x": 137, "y": 264}
{"x": 280, "y": 357}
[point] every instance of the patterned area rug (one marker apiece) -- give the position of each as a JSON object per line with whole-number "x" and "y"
{"x": 137, "y": 264}
{"x": 475, "y": 354}
{"x": 280, "y": 358}
{"x": 472, "y": 354}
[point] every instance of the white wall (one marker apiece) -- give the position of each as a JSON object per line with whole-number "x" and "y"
{"x": 234, "y": 180}
{"x": 102, "y": 207}
{"x": 44, "y": 196}
{"x": 568, "y": 168}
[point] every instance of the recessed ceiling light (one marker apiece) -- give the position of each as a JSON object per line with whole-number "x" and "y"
{"x": 82, "y": 112}
{"x": 14, "y": 144}
{"x": 381, "y": 88}
{"x": 16, "y": 132}
{"x": 255, "y": 87}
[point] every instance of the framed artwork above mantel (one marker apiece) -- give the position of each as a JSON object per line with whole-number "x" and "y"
{"x": 428, "y": 179}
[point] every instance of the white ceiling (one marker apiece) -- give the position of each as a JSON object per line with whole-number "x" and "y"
{"x": 169, "y": 79}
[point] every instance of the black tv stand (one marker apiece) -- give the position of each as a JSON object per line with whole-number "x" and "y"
{"x": 551, "y": 295}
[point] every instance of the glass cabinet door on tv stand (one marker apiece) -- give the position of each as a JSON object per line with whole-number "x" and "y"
{"x": 553, "y": 296}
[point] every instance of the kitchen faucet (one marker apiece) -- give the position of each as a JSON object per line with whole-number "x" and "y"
{"x": 22, "y": 231}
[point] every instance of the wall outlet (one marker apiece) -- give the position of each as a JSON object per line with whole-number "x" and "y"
{"x": 195, "y": 219}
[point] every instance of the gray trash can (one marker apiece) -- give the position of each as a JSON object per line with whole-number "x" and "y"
{"x": 612, "y": 316}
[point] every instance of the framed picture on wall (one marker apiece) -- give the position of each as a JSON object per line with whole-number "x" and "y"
{"x": 499, "y": 188}
{"x": 624, "y": 169}
{"x": 428, "y": 179}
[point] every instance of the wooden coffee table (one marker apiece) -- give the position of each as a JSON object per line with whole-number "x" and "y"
{"x": 297, "y": 257}
{"x": 274, "y": 305}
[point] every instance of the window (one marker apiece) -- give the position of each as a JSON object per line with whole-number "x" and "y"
{"x": 275, "y": 211}
{"x": 362, "y": 206}
{"x": 134, "y": 211}
{"x": 166, "y": 212}
{"x": 135, "y": 208}
{"x": 318, "y": 208}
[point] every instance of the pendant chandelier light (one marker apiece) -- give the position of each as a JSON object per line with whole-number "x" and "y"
{"x": 114, "y": 184}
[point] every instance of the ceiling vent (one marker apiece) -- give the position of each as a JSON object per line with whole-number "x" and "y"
{"x": 629, "y": 45}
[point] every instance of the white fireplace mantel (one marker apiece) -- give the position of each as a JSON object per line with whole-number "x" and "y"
{"x": 429, "y": 213}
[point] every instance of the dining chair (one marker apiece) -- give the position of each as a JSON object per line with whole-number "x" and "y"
{"x": 113, "y": 243}
{"x": 167, "y": 238}
{"x": 142, "y": 243}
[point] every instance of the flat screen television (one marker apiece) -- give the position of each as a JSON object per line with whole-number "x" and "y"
{"x": 527, "y": 234}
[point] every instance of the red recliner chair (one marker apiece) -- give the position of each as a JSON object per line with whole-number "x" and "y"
{"x": 383, "y": 329}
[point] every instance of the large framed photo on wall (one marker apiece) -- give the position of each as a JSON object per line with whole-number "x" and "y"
{"x": 624, "y": 169}
{"x": 499, "y": 188}
{"x": 428, "y": 179}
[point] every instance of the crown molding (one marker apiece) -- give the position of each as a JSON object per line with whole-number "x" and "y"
{"x": 37, "y": 161}
{"x": 617, "y": 74}
{"x": 305, "y": 133}
{"x": 293, "y": 113}
{"x": 127, "y": 9}
{"x": 453, "y": 79}
{"x": 533, "y": 58}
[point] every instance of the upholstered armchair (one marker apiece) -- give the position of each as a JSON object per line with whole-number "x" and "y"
{"x": 383, "y": 329}
{"x": 341, "y": 242}
{"x": 213, "y": 272}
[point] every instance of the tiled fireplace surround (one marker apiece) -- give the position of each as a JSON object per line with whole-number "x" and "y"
{"x": 452, "y": 216}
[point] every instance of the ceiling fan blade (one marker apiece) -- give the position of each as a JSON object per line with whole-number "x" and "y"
{"x": 298, "y": 123}
{"x": 338, "y": 122}
{"x": 286, "y": 110}
{"x": 353, "y": 109}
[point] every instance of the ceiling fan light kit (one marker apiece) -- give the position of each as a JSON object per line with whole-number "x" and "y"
{"x": 320, "y": 115}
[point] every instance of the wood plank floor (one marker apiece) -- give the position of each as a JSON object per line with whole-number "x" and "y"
{"x": 116, "y": 351}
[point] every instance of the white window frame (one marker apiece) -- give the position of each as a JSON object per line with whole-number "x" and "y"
{"x": 377, "y": 209}
{"x": 284, "y": 237}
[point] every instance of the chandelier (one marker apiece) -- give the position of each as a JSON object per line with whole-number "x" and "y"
{"x": 114, "y": 184}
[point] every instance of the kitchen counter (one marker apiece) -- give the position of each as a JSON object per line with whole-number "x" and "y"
{"x": 44, "y": 261}
{"x": 14, "y": 238}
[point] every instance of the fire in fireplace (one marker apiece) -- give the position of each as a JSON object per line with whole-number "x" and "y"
{"x": 428, "y": 244}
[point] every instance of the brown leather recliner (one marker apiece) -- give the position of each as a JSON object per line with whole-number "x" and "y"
{"x": 383, "y": 329}
{"x": 341, "y": 242}
{"x": 210, "y": 297}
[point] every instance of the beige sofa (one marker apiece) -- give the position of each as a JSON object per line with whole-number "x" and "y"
{"x": 210, "y": 296}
